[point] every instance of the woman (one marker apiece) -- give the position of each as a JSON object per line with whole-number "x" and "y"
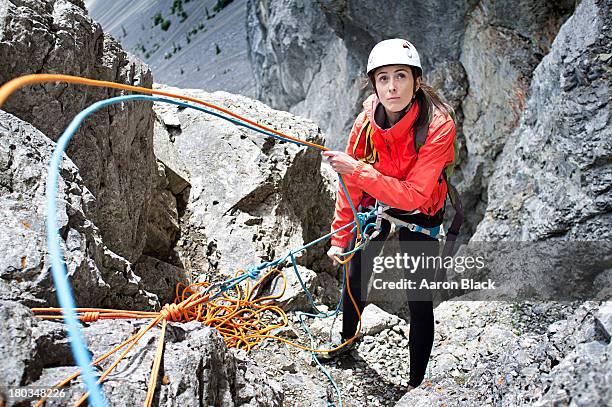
{"x": 386, "y": 165}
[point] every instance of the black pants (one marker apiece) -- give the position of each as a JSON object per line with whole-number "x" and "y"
{"x": 421, "y": 312}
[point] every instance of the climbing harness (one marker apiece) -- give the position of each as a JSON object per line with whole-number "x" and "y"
{"x": 385, "y": 212}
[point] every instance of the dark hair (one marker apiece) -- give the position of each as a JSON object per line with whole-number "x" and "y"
{"x": 426, "y": 97}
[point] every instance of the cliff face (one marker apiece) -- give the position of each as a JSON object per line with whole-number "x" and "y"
{"x": 300, "y": 65}
{"x": 553, "y": 180}
{"x": 153, "y": 195}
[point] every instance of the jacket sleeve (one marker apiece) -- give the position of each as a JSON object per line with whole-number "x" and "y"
{"x": 343, "y": 214}
{"x": 417, "y": 188}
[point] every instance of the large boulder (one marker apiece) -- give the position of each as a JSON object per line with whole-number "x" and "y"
{"x": 99, "y": 276}
{"x": 252, "y": 198}
{"x": 114, "y": 148}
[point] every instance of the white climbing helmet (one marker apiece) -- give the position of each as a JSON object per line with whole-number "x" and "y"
{"x": 393, "y": 52}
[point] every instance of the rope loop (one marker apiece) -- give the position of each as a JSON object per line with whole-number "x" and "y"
{"x": 90, "y": 316}
{"x": 172, "y": 312}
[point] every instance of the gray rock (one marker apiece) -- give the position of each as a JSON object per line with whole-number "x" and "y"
{"x": 114, "y": 148}
{"x": 160, "y": 278}
{"x": 252, "y": 198}
{"x": 28, "y": 345}
{"x": 196, "y": 367}
{"x": 99, "y": 277}
{"x": 294, "y": 296}
{"x": 502, "y": 44}
{"x": 163, "y": 227}
{"x": 298, "y": 62}
{"x": 550, "y": 182}
{"x": 374, "y": 320}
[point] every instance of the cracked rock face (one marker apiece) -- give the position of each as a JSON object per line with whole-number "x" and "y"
{"x": 502, "y": 45}
{"x": 99, "y": 276}
{"x": 251, "y": 198}
{"x": 114, "y": 147}
{"x": 300, "y": 65}
{"x": 554, "y": 180}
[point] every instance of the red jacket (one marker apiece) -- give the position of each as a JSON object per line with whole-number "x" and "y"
{"x": 397, "y": 178}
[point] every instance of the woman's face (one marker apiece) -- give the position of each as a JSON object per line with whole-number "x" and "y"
{"x": 394, "y": 85}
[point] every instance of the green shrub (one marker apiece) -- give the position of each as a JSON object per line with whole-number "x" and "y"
{"x": 221, "y": 4}
{"x": 165, "y": 25}
{"x": 158, "y": 18}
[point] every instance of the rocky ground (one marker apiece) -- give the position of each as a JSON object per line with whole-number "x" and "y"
{"x": 485, "y": 354}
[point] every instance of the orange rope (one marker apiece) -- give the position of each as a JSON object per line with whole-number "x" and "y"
{"x": 156, "y": 363}
{"x": 17, "y": 83}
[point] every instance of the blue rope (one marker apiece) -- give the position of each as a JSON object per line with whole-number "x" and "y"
{"x": 58, "y": 268}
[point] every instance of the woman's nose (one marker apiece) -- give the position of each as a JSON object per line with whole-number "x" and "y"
{"x": 391, "y": 85}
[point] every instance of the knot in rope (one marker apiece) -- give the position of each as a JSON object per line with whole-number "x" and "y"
{"x": 90, "y": 316}
{"x": 253, "y": 272}
{"x": 171, "y": 312}
{"x": 362, "y": 217}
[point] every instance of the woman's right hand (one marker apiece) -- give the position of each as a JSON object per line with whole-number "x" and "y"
{"x": 335, "y": 251}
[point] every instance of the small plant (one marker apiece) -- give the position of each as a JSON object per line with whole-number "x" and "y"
{"x": 158, "y": 18}
{"x": 177, "y": 5}
{"x": 165, "y": 25}
{"x": 123, "y": 31}
{"x": 217, "y": 49}
{"x": 221, "y": 4}
{"x": 184, "y": 16}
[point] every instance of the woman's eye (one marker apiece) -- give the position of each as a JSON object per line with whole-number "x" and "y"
{"x": 382, "y": 78}
{"x": 401, "y": 75}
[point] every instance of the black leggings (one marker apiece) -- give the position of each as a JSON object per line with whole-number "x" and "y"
{"x": 421, "y": 312}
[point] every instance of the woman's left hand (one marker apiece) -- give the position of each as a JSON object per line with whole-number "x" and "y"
{"x": 341, "y": 162}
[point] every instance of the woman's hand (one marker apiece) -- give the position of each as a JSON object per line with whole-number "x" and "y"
{"x": 341, "y": 162}
{"x": 335, "y": 251}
